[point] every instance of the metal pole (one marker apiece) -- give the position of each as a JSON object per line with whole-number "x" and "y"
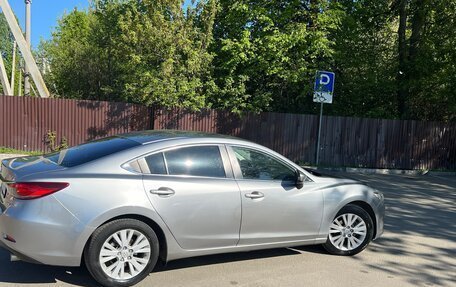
{"x": 28, "y": 36}
{"x": 13, "y": 68}
{"x": 19, "y": 88}
{"x": 319, "y": 135}
{"x": 4, "y": 77}
{"x": 25, "y": 50}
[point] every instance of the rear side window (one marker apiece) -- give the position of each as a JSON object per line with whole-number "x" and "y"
{"x": 90, "y": 151}
{"x": 156, "y": 164}
{"x": 196, "y": 161}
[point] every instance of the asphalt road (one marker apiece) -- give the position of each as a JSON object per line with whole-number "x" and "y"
{"x": 418, "y": 248}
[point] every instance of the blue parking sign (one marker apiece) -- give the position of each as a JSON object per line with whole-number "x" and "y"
{"x": 324, "y": 87}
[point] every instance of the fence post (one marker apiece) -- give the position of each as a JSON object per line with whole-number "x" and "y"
{"x": 151, "y": 112}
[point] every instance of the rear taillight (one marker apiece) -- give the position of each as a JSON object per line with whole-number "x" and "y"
{"x": 32, "y": 190}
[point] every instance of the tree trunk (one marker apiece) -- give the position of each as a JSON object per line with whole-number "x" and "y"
{"x": 418, "y": 22}
{"x": 402, "y": 90}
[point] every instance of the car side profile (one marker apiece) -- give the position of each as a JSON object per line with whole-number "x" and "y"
{"x": 122, "y": 203}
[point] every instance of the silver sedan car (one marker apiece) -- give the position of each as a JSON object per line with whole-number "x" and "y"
{"x": 122, "y": 203}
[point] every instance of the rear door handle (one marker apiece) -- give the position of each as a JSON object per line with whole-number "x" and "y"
{"x": 163, "y": 191}
{"x": 254, "y": 195}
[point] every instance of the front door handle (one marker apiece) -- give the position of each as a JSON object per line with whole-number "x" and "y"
{"x": 163, "y": 191}
{"x": 254, "y": 195}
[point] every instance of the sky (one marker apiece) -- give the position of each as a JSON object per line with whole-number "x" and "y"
{"x": 44, "y": 15}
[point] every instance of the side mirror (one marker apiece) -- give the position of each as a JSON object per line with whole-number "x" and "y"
{"x": 300, "y": 178}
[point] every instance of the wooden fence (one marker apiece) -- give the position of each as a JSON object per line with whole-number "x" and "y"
{"x": 354, "y": 142}
{"x": 25, "y": 121}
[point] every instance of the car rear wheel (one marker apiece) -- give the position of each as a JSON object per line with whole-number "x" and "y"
{"x": 350, "y": 232}
{"x": 122, "y": 252}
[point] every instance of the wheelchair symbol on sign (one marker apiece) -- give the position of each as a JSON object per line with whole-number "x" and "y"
{"x": 319, "y": 97}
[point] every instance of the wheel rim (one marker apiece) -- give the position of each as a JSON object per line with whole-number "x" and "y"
{"x": 347, "y": 231}
{"x": 125, "y": 254}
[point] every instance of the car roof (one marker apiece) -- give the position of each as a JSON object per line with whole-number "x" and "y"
{"x": 150, "y": 136}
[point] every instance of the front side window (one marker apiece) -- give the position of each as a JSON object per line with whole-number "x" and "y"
{"x": 260, "y": 166}
{"x": 195, "y": 161}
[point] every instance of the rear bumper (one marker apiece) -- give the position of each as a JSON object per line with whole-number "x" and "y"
{"x": 22, "y": 257}
{"x": 44, "y": 231}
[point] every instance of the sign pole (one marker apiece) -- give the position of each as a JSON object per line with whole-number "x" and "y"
{"x": 319, "y": 134}
{"x": 323, "y": 94}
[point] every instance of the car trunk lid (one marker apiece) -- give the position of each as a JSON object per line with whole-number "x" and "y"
{"x": 16, "y": 169}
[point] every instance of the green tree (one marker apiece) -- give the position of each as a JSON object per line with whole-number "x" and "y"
{"x": 138, "y": 51}
{"x": 426, "y": 59}
{"x": 366, "y": 60}
{"x": 392, "y": 58}
{"x": 75, "y": 65}
{"x": 267, "y": 52}
{"x": 431, "y": 63}
{"x": 6, "y": 46}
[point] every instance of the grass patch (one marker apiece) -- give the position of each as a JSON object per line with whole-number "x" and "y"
{"x": 7, "y": 150}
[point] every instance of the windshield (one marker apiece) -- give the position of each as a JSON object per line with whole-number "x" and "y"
{"x": 90, "y": 151}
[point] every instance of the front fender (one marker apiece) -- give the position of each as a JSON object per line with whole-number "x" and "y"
{"x": 336, "y": 197}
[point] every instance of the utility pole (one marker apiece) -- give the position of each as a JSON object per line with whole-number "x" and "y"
{"x": 34, "y": 71}
{"x": 28, "y": 37}
{"x": 19, "y": 88}
{"x": 4, "y": 77}
{"x": 13, "y": 68}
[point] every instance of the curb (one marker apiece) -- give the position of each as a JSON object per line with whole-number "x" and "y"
{"x": 441, "y": 173}
{"x": 9, "y": 155}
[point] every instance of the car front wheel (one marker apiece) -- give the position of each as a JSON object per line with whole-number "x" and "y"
{"x": 350, "y": 232}
{"x": 122, "y": 252}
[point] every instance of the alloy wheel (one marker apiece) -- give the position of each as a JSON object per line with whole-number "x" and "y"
{"x": 347, "y": 232}
{"x": 125, "y": 254}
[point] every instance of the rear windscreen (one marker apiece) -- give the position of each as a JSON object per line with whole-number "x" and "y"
{"x": 90, "y": 151}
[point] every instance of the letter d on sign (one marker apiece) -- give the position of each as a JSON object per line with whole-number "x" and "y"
{"x": 324, "y": 79}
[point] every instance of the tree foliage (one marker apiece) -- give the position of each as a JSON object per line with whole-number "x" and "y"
{"x": 396, "y": 59}
{"x": 431, "y": 63}
{"x": 392, "y": 58}
{"x": 267, "y": 52}
{"x": 6, "y": 45}
{"x": 140, "y": 51}
{"x": 365, "y": 60}
{"x": 6, "y": 48}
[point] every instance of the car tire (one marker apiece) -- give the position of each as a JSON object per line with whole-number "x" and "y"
{"x": 122, "y": 252}
{"x": 350, "y": 231}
